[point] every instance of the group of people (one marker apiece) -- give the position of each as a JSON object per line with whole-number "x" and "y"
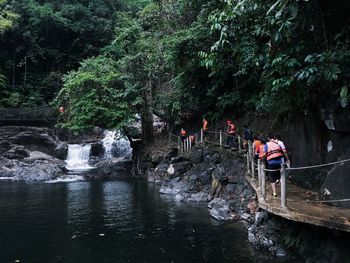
{"x": 271, "y": 150}
{"x": 273, "y": 153}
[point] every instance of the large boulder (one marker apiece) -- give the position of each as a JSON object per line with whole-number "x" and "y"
{"x": 220, "y": 210}
{"x": 35, "y": 139}
{"x": 178, "y": 169}
{"x": 37, "y": 167}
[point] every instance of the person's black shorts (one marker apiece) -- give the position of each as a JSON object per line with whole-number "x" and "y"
{"x": 275, "y": 175}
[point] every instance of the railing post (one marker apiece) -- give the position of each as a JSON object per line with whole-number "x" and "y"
{"x": 220, "y": 138}
{"x": 201, "y": 134}
{"x": 249, "y": 158}
{"x": 190, "y": 143}
{"x": 283, "y": 188}
{"x": 239, "y": 144}
{"x": 259, "y": 176}
{"x": 263, "y": 181}
{"x": 252, "y": 160}
{"x": 179, "y": 143}
{"x": 248, "y": 163}
{"x": 169, "y": 136}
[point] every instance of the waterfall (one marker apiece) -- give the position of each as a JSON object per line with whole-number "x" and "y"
{"x": 116, "y": 145}
{"x": 108, "y": 142}
{"x": 78, "y": 157}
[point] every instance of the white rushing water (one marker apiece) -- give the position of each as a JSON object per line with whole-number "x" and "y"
{"x": 66, "y": 179}
{"x": 78, "y": 157}
{"x": 116, "y": 145}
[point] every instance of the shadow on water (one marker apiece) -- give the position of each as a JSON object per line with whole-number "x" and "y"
{"x": 111, "y": 221}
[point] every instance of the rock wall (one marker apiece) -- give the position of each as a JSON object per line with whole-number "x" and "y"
{"x": 322, "y": 138}
{"x": 31, "y": 153}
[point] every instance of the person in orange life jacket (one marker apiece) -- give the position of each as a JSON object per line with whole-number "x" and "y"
{"x": 61, "y": 109}
{"x": 262, "y": 149}
{"x": 205, "y": 124}
{"x": 192, "y": 139}
{"x": 274, "y": 157}
{"x": 205, "y": 128}
{"x": 183, "y": 134}
{"x": 281, "y": 144}
{"x": 256, "y": 147}
{"x": 231, "y": 131}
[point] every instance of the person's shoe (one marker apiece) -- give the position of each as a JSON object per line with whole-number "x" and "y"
{"x": 274, "y": 194}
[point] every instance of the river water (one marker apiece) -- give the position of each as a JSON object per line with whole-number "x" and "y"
{"x": 111, "y": 221}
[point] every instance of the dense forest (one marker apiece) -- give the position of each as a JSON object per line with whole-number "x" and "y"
{"x": 105, "y": 60}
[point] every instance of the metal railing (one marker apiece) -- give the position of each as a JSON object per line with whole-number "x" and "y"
{"x": 34, "y": 113}
{"x": 218, "y": 138}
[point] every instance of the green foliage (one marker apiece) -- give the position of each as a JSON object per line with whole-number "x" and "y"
{"x": 7, "y": 16}
{"x": 95, "y": 95}
{"x": 291, "y": 236}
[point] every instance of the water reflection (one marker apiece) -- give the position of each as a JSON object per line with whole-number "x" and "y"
{"x": 110, "y": 221}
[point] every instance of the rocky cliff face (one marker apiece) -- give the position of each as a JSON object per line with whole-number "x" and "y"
{"x": 31, "y": 153}
{"x": 317, "y": 139}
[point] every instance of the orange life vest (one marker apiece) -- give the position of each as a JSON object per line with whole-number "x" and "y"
{"x": 261, "y": 151}
{"x": 256, "y": 144}
{"x": 205, "y": 125}
{"x": 192, "y": 138}
{"x": 183, "y": 133}
{"x": 231, "y": 128}
{"x": 273, "y": 151}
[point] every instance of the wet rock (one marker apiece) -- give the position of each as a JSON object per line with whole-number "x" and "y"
{"x": 179, "y": 159}
{"x": 97, "y": 149}
{"x": 35, "y": 139}
{"x": 247, "y": 217}
{"x": 4, "y": 147}
{"x": 196, "y": 155}
{"x": 97, "y": 130}
{"x": 173, "y": 186}
{"x": 261, "y": 218}
{"x": 220, "y": 210}
{"x": 37, "y": 169}
{"x": 198, "y": 197}
{"x": 337, "y": 183}
{"x": 111, "y": 168}
{"x": 157, "y": 174}
{"x": 181, "y": 168}
{"x": 212, "y": 158}
{"x": 172, "y": 153}
{"x": 17, "y": 152}
{"x": 156, "y": 158}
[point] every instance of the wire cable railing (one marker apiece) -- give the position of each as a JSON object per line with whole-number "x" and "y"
{"x": 254, "y": 167}
{"x": 258, "y": 166}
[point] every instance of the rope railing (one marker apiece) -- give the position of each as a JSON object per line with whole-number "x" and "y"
{"x": 261, "y": 169}
{"x": 219, "y": 138}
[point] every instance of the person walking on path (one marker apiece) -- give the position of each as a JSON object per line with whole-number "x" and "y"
{"x": 281, "y": 144}
{"x": 274, "y": 156}
{"x": 183, "y": 136}
{"x": 205, "y": 128}
{"x": 256, "y": 147}
{"x": 247, "y": 136}
{"x": 231, "y": 131}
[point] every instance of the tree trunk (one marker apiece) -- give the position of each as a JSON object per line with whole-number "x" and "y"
{"x": 147, "y": 114}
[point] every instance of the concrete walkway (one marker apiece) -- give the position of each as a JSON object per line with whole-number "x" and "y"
{"x": 301, "y": 207}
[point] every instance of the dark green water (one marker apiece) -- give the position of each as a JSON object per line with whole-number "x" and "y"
{"x": 111, "y": 221}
